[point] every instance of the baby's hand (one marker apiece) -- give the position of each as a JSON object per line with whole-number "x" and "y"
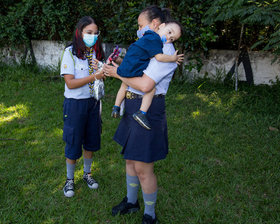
{"x": 179, "y": 57}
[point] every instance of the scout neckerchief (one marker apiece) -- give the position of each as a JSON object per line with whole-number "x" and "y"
{"x": 89, "y": 56}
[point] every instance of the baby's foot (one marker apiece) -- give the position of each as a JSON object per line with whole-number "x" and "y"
{"x": 115, "y": 112}
{"x": 141, "y": 119}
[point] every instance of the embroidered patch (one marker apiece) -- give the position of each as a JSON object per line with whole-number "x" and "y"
{"x": 149, "y": 202}
{"x": 65, "y": 66}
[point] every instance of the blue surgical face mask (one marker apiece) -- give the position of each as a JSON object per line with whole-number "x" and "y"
{"x": 140, "y": 33}
{"x": 90, "y": 39}
{"x": 163, "y": 39}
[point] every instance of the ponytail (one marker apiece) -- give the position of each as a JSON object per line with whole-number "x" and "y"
{"x": 166, "y": 14}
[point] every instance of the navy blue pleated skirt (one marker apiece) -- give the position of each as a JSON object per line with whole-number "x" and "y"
{"x": 138, "y": 143}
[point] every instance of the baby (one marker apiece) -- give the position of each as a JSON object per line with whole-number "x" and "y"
{"x": 137, "y": 58}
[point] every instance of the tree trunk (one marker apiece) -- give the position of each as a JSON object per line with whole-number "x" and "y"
{"x": 237, "y": 58}
{"x": 33, "y": 59}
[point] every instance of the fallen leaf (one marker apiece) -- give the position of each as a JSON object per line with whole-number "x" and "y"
{"x": 273, "y": 129}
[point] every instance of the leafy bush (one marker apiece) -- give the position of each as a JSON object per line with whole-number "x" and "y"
{"x": 261, "y": 19}
{"x": 208, "y": 24}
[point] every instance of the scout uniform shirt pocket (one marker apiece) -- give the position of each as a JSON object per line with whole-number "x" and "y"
{"x": 81, "y": 69}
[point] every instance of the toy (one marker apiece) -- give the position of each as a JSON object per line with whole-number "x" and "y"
{"x": 111, "y": 58}
{"x": 114, "y": 55}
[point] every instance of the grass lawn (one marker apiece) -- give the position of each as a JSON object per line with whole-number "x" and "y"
{"x": 222, "y": 168}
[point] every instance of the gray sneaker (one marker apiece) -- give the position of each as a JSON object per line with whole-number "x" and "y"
{"x": 142, "y": 120}
{"x": 68, "y": 188}
{"x": 92, "y": 184}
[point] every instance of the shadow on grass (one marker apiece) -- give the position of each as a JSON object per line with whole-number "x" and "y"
{"x": 32, "y": 170}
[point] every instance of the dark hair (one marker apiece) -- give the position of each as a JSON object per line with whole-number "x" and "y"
{"x": 155, "y": 12}
{"x": 79, "y": 47}
{"x": 177, "y": 23}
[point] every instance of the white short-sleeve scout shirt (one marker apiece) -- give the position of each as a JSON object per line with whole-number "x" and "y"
{"x": 72, "y": 65}
{"x": 160, "y": 72}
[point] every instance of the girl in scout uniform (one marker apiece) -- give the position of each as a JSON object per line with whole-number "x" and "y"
{"x": 142, "y": 147}
{"x": 81, "y": 112}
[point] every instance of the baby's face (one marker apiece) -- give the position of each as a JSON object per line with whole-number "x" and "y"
{"x": 172, "y": 31}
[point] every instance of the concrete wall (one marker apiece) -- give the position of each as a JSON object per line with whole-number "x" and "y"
{"x": 47, "y": 53}
{"x": 216, "y": 66}
{"x": 219, "y": 63}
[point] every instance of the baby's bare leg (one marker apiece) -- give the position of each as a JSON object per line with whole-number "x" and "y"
{"x": 147, "y": 100}
{"x": 121, "y": 95}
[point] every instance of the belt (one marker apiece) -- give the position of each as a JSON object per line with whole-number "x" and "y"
{"x": 130, "y": 95}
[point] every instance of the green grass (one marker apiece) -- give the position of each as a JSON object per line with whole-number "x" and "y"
{"x": 223, "y": 165}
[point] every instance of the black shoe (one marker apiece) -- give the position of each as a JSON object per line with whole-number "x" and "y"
{"x": 141, "y": 119}
{"x": 125, "y": 208}
{"x": 147, "y": 219}
{"x": 115, "y": 112}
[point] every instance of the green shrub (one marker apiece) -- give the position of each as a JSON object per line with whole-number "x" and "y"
{"x": 208, "y": 24}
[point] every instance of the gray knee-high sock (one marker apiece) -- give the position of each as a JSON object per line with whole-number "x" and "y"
{"x": 70, "y": 170}
{"x": 132, "y": 184}
{"x": 150, "y": 202}
{"x": 87, "y": 165}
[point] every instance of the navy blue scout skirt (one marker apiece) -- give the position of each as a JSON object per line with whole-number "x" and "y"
{"x": 82, "y": 126}
{"x": 138, "y": 143}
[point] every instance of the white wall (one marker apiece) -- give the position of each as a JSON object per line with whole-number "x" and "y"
{"x": 48, "y": 53}
{"x": 219, "y": 62}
